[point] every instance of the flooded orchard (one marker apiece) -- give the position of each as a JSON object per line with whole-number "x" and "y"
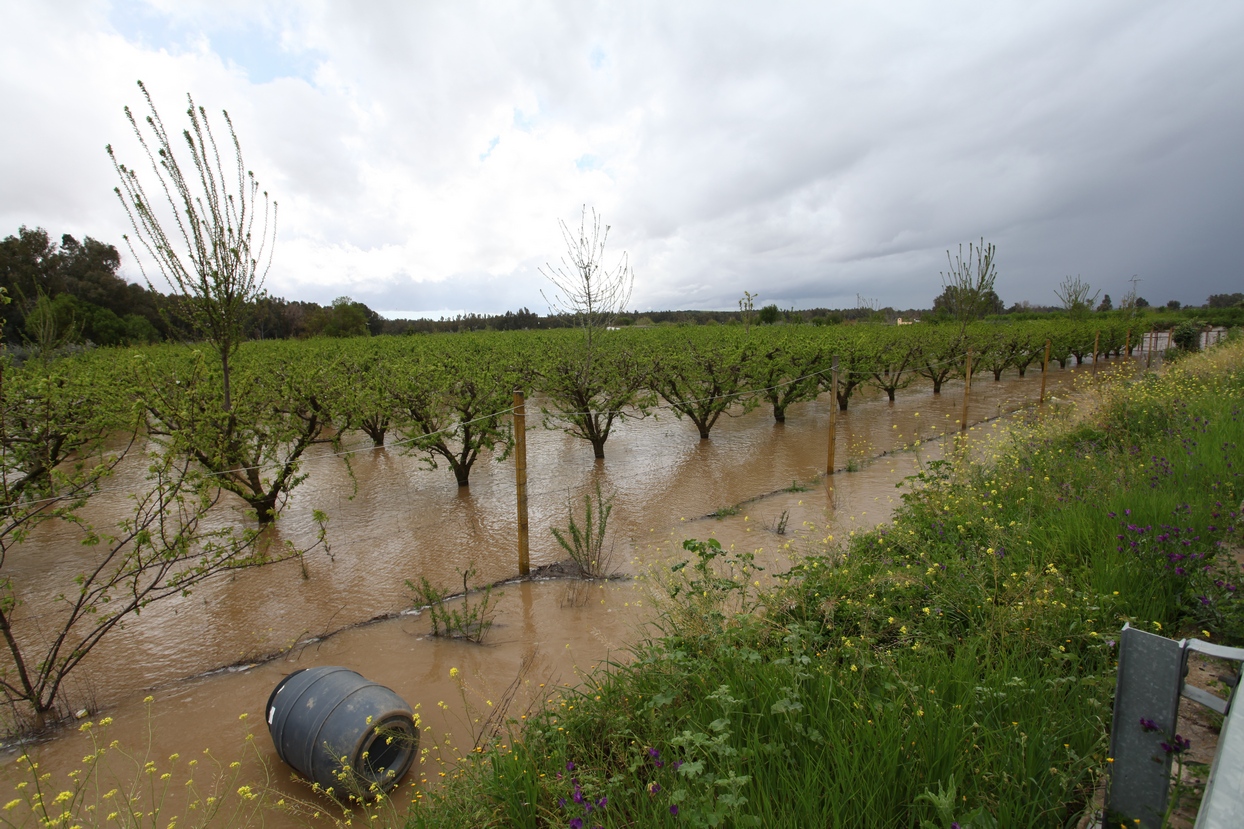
{"x": 212, "y": 656}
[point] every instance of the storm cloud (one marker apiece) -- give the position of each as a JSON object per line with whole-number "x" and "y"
{"x": 423, "y": 154}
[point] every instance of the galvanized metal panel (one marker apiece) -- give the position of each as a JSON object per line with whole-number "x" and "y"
{"x": 1222, "y": 807}
{"x": 1150, "y": 678}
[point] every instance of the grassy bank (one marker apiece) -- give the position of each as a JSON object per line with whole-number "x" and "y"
{"x": 969, "y": 644}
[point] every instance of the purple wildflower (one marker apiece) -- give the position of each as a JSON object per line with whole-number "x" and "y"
{"x": 1181, "y": 745}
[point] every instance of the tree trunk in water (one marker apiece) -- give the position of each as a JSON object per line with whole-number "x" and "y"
{"x": 38, "y": 718}
{"x": 598, "y": 448}
{"x": 779, "y": 413}
{"x": 265, "y": 508}
{"x": 463, "y": 474}
{"x": 890, "y": 392}
{"x": 937, "y": 386}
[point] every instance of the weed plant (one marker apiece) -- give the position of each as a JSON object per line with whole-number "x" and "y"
{"x": 585, "y": 542}
{"x": 466, "y": 619}
{"x": 778, "y": 525}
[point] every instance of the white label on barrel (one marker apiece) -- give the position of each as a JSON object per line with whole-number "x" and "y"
{"x": 271, "y": 712}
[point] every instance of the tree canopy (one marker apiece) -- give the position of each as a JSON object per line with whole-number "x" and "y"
{"x": 76, "y": 283}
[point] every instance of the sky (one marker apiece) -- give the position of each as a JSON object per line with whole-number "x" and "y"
{"x": 827, "y": 154}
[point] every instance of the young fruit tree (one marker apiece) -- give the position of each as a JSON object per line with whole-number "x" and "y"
{"x": 968, "y": 284}
{"x": 65, "y": 426}
{"x": 598, "y": 381}
{"x": 205, "y": 245}
{"x": 211, "y": 236}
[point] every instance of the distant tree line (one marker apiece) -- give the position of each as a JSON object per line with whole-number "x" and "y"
{"x": 73, "y": 285}
{"x": 71, "y": 291}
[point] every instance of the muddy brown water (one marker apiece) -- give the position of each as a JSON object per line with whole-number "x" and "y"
{"x": 396, "y": 520}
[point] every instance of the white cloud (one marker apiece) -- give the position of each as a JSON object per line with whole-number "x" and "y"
{"x": 423, "y": 153}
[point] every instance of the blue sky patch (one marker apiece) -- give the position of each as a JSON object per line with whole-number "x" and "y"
{"x": 523, "y": 121}
{"x": 255, "y": 49}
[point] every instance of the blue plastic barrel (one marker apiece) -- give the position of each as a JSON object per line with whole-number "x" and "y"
{"x": 341, "y": 730}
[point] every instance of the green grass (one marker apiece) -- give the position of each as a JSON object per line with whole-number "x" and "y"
{"x": 972, "y": 638}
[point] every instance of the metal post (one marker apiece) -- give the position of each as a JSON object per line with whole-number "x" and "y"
{"x": 1153, "y": 343}
{"x": 520, "y": 475}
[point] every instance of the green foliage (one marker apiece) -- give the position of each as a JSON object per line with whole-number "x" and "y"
{"x": 968, "y": 286}
{"x": 747, "y": 309}
{"x": 453, "y": 399}
{"x": 255, "y": 448}
{"x": 65, "y": 426}
{"x": 344, "y": 318}
{"x": 90, "y": 301}
{"x": 703, "y": 372}
{"x": 1074, "y": 294}
{"x": 768, "y": 315}
{"x": 466, "y": 619}
{"x": 1187, "y": 335}
{"x": 592, "y": 384}
{"x": 208, "y": 252}
{"x": 787, "y": 369}
{"x": 947, "y": 807}
{"x": 955, "y": 665}
{"x": 1234, "y": 300}
{"x": 585, "y": 543}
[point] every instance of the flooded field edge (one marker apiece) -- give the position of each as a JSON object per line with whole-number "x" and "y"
{"x": 555, "y": 627}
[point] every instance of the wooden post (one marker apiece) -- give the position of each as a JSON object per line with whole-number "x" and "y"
{"x": 520, "y": 474}
{"x": 833, "y": 417}
{"x": 1153, "y": 343}
{"x": 1127, "y": 344}
{"x": 1096, "y": 343}
{"x": 967, "y": 388}
{"x": 1045, "y": 367}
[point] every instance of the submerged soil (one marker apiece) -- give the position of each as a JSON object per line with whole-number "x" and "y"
{"x": 392, "y": 519}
